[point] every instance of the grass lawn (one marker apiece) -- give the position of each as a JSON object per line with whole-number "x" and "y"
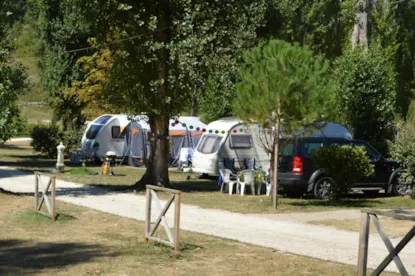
{"x": 87, "y": 242}
{"x": 203, "y": 193}
{"x": 36, "y": 114}
{"x": 392, "y": 227}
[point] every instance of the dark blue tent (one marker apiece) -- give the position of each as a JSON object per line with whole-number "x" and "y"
{"x": 325, "y": 130}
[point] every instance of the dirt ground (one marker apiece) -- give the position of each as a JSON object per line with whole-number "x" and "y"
{"x": 87, "y": 242}
{"x": 392, "y": 227}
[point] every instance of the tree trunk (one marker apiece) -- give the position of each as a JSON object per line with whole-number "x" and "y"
{"x": 360, "y": 35}
{"x": 276, "y": 158}
{"x": 157, "y": 171}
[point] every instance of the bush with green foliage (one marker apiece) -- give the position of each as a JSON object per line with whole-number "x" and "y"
{"x": 403, "y": 151}
{"x": 345, "y": 164}
{"x": 72, "y": 139}
{"x": 366, "y": 91}
{"x": 46, "y": 138}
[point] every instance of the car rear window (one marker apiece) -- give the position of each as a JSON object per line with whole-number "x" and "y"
{"x": 286, "y": 148}
{"x": 310, "y": 147}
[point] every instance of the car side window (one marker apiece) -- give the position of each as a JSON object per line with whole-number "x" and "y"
{"x": 340, "y": 143}
{"x": 310, "y": 147}
{"x": 371, "y": 153}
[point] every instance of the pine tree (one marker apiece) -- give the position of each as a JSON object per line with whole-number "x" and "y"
{"x": 283, "y": 87}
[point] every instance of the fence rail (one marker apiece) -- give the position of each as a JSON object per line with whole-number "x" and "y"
{"x": 43, "y": 198}
{"x": 161, "y": 219}
{"x": 372, "y": 214}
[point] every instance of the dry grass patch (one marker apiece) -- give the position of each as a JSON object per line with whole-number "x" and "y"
{"x": 88, "y": 242}
{"x": 392, "y": 227}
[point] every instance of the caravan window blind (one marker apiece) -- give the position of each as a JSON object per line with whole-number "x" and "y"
{"x": 238, "y": 141}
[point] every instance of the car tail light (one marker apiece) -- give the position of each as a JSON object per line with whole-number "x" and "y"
{"x": 297, "y": 165}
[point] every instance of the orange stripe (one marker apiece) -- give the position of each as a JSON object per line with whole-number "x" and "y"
{"x": 177, "y": 133}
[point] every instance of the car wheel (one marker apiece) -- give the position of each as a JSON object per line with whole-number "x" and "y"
{"x": 371, "y": 194}
{"x": 322, "y": 187}
{"x": 400, "y": 188}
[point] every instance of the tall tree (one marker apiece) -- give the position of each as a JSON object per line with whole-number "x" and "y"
{"x": 12, "y": 77}
{"x": 161, "y": 49}
{"x": 283, "y": 87}
{"x": 360, "y": 34}
{"x": 366, "y": 95}
{"x": 62, "y": 29}
{"x": 322, "y": 25}
{"x": 393, "y": 28}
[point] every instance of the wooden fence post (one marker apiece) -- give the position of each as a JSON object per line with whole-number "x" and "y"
{"x": 50, "y": 205}
{"x": 36, "y": 191}
{"x": 363, "y": 244}
{"x": 148, "y": 214}
{"x": 177, "y": 200}
{"x": 161, "y": 219}
{"x": 53, "y": 198}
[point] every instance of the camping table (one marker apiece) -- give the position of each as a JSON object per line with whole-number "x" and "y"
{"x": 372, "y": 214}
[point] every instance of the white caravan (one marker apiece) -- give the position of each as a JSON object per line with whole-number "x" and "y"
{"x": 185, "y": 133}
{"x": 126, "y": 137}
{"x": 229, "y": 138}
{"x": 104, "y": 134}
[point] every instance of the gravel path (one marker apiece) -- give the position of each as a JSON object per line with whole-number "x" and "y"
{"x": 314, "y": 216}
{"x": 263, "y": 230}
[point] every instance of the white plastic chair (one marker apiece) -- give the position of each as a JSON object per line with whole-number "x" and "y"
{"x": 248, "y": 179}
{"x": 228, "y": 178}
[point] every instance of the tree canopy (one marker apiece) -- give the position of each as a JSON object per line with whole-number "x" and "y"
{"x": 366, "y": 95}
{"x": 12, "y": 77}
{"x": 284, "y": 88}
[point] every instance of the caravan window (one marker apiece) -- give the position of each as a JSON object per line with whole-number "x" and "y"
{"x": 93, "y": 131}
{"x": 103, "y": 120}
{"x": 240, "y": 141}
{"x": 116, "y": 132}
{"x": 209, "y": 144}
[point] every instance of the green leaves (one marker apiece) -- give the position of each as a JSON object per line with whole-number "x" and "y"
{"x": 366, "y": 94}
{"x": 289, "y": 75}
{"x": 345, "y": 164}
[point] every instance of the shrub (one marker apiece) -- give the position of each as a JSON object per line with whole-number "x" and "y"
{"x": 46, "y": 138}
{"x": 345, "y": 164}
{"x": 72, "y": 139}
{"x": 366, "y": 92}
{"x": 403, "y": 151}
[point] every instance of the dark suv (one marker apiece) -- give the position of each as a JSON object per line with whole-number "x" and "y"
{"x": 298, "y": 174}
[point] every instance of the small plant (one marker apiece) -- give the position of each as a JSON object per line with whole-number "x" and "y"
{"x": 46, "y": 138}
{"x": 345, "y": 164}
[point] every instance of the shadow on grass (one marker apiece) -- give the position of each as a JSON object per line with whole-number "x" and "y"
{"x": 187, "y": 186}
{"x": 352, "y": 201}
{"x": 21, "y": 257}
{"x": 33, "y": 163}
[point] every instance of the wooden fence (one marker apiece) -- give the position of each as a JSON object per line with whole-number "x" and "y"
{"x": 43, "y": 198}
{"x": 366, "y": 217}
{"x": 149, "y": 231}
